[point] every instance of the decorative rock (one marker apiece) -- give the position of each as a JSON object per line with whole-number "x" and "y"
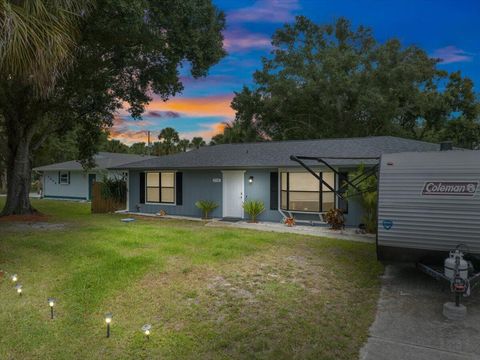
{"x": 453, "y": 312}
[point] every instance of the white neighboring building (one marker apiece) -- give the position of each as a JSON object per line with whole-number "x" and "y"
{"x": 68, "y": 180}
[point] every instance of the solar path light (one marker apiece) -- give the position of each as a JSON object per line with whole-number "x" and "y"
{"x": 19, "y": 287}
{"x": 108, "y": 320}
{"x": 51, "y": 303}
{"x": 146, "y": 330}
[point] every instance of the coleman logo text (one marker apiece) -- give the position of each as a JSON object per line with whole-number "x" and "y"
{"x": 450, "y": 188}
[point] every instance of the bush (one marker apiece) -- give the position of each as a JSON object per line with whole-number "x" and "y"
{"x": 114, "y": 188}
{"x": 207, "y": 206}
{"x": 253, "y": 208}
{"x": 368, "y": 198}
{"x": 335, "y": 218}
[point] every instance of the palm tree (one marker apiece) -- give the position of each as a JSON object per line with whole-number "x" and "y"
{"x": 183, "y": 145}
{"x": 38, "y": 38}
{"x": 198, "y": 142}
{"x": 115, "y": 146}
{"x": 169, "y": 138}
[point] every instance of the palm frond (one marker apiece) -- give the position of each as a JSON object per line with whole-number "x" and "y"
{"x": 37, "y": 39}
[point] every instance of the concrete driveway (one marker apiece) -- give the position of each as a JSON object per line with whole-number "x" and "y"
{"x": 410, "y": 326}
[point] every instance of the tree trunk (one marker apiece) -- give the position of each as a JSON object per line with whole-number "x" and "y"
{"x": 19, "y": 177}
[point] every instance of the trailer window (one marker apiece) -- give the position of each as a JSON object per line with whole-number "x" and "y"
{"x": 302, "y": 192}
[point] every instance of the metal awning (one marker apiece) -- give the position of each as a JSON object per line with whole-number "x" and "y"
{"x": 355, "y": 182}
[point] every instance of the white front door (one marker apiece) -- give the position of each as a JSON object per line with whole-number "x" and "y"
{"x": 233, "y": 193}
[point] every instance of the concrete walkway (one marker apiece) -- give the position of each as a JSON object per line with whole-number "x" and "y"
{"x": 409, "y": 324}
{"x": 347, "y": 234}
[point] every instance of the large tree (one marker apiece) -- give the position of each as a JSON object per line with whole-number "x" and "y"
{"x": 125, "y": 51}
{"x": 138, "y": 148}
{"x": 197, "y": 142}
{"x": 183, "y": 145}
{"x": 169, "y": 139}
{"x": 335, "y": 81}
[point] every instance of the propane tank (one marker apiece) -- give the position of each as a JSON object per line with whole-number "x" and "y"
{"x": 450, "y": 265}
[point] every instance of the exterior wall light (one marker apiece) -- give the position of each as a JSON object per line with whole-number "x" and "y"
{"x": 108, "y": 320}
{"x": 14, "y": 278}
{"x": 51, "y": 303}
{"x": 19, "y": 289}
{"x": 250, "y": 180}
{"x": 146, "y": 330}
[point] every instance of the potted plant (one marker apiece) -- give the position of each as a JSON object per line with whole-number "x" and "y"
{"x": 207, "y": 206}
{"x": 289, "y": 221}
{"x": 253, "y": 208}
{"x": 335, "y": 218}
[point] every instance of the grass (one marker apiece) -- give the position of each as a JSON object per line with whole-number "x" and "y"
{"x": 212, "y": 293}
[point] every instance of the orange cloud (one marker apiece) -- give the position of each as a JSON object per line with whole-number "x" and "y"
{"x": 207, "y": 131}
{"x": 215, "y": 105}
{"x": 128, "y": 137}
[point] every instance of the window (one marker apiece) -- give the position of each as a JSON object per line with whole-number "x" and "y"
{"x": 160, "y": 187}
{"x": 64, "y": 177}
{"x": 302, "y": 192}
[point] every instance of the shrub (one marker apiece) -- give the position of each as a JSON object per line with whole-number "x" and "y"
{"x": 368, "y": 198}
{"x": 335, "y": 218}
{"x": 114, "y": 188}
{"x": 207, "y": 206}
{"x": 253, "y": 208}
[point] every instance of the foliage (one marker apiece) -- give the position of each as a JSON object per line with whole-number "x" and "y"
{"x": 114, "y": 188}
{"x": 335, "y": 218}
{"x": 113, "y": 146}
{"x": 138, "y": 148}
{"x": 367, "y": 194}
{"x": 197, "y": 142}
{"x": 38, "y": 39}
{"x": 169, "y": 139}
{"x": 324, "y": 81}
{"x": 109, "y": 71}
{"x": 238, "y": 132}
{"x": 183, "y": 145}
{"x": 253, "y": 208}
{"x": 207, "y": 206}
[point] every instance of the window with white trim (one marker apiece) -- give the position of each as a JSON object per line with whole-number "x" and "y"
{"x": 160, "y": 187}
{"x": 64, "y": 177}
{"x": 301, "y": 191}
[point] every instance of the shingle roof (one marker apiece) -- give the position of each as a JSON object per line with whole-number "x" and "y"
{"x": 103, "y": 160}
{"x": 277, "y": 153}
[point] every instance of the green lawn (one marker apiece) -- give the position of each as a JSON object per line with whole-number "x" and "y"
{"x": 211, "y": 293}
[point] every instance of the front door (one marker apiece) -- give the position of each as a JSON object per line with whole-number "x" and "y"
{"x": 233, "y": 193}
{"x": 91, "y": 179}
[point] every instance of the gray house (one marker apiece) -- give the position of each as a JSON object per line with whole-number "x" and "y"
{"x": 68, "y": 180}
{"x": 232, "y": 173}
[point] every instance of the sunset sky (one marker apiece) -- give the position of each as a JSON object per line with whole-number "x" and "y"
{"x": 446, "y": 29}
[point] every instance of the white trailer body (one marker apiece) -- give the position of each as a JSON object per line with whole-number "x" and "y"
{"x": 428, "y": 203}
